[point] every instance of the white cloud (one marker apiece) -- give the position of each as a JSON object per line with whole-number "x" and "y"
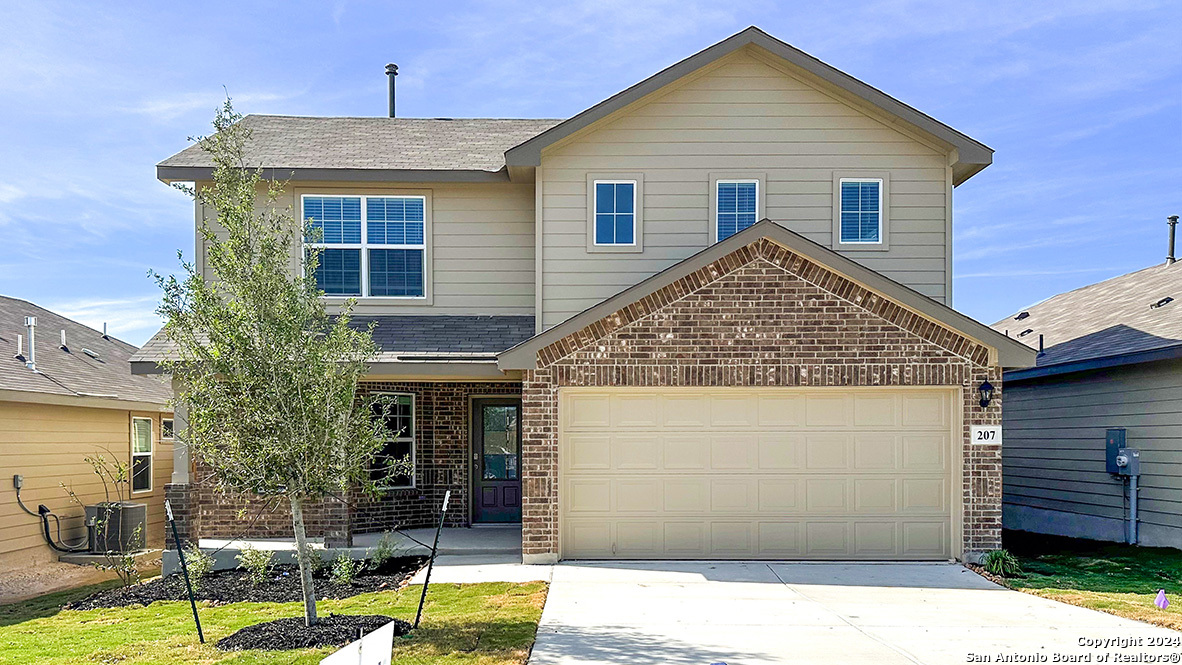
{"x": 133, "y": 319}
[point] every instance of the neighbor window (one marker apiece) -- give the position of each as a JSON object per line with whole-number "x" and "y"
{"x": 737, "y": 205}
{"x": 861, "y": 210}
{"x": 399, "y": 412}
{"x": 141, "y": 454}
{"x": 166, "y": 429}
{"x": 615, "y": 212}
{"x": 369, "y": 245}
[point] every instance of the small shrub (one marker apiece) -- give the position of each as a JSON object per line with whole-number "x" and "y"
{"x": 199, "y": 564}
{"x": 1001, "y": 562}
{"x": 315, "y": 562}
{"x": 256, "y": 563}
{"x": 124, "y": 564}
{"x": 383, "y": 552}
{"x": 345, "y": 569}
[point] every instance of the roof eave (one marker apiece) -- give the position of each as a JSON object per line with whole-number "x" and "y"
{"x": 1010, "y": 352}
{"x": 1089, "y": 364}
{"x": 973, "y": 155}
{"x": 170, "y": 174}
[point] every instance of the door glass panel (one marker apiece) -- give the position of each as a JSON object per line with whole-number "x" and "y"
{"x": 499, "y": 425}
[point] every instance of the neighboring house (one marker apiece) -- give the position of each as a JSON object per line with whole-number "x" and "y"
{"x": 64, "y": 403}
{"x": 1112, "y": 359}
{"x": 593, "y": 335}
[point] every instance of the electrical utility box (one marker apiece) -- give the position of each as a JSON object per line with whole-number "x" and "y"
{"x": 1113, "y": 442}
{"x": 1129, "y": 461}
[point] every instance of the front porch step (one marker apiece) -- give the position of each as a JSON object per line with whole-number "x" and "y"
{"x": 491, "y": 540}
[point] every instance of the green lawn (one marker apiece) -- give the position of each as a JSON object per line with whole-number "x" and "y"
{"x": 483, "y": 624}
{"x": 1111, "y": 577}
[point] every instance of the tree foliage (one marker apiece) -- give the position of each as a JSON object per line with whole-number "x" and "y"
{"x": 268, "y": 377}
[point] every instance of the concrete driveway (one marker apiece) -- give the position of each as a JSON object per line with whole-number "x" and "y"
{"x": 703, "y": 613}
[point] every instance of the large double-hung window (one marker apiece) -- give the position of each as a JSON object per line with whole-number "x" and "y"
{"x": 373, "y": 246}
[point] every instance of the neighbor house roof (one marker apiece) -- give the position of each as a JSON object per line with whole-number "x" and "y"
{"x": 1119, "y": 320}
{"x": 480, "y": 149}
{"x": 70, "y": 373}
{"x": 378, "y": 148}
{"x": 408, "y": 339}
{"x": 1010, "y": 353}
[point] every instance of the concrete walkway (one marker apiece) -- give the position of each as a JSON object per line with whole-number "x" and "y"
{"x": 885, "y": 614}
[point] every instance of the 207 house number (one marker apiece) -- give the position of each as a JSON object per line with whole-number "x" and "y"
{"x": 985, "y": 434}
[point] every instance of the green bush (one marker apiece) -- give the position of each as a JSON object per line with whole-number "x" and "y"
{"x": 383, "y": 552}
{"x": 256, "y": 563}
{"x": 1001, "y": 562}
{"x": 199, "y": 564}
{"x": 345, "y": 569}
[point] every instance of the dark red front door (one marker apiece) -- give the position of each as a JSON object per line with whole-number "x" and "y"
{"x": 496, "y": 460}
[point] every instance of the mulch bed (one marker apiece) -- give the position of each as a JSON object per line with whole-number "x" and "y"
{"x": 234, "y": 586}
{"x": 334, "y": 630}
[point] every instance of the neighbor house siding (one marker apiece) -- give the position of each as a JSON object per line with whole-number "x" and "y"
{"x": 480, "y": 248}
{"x": 1054, "y": 457}
{"x": 742, "y": 115}
{"x": 47, "y": 445}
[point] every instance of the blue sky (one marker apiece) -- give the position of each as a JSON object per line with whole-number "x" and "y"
{"x": 1082, "y": 101}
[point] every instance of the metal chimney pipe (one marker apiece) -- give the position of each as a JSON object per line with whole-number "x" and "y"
{"x": 31, "y": 330}
{"x": 1172, "y": 220}
{"x": 391, "y": 72}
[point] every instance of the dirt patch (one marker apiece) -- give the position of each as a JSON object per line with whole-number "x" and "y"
{"x": 234, "y": 586}
{"x": 42, "y": 577}
{"x": 334, "y": 630}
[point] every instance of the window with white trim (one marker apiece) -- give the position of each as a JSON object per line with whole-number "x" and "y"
{"x": 737, "y": 206}
{"x": 167, "y": 429}
{"x": 372, "y": 246}
{"x": 141, "y": 454}
{"x": 615, "y": 212}
{"x": 861, "y": 210}
{"x": 398, "y": 409}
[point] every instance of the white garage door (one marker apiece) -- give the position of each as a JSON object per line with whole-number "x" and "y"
{"x": 728, "y": 473}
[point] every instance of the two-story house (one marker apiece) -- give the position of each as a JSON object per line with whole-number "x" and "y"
{"x": 591, "y": 331}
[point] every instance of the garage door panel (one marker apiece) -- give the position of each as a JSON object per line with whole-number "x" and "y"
{"x": 732, "y": 495}
{"x": 730, "y": 452}
{"x": 827, "y": 451}
{"x": 780, "y": 451}
{"x": 686, "y": 495}
{"x": 877, "y": 451}
{"x": 637, "y": 451}
{"x": 588, "y": 451}
{"x": 763, "y": 473}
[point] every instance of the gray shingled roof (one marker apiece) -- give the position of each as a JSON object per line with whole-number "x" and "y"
{"x": 417, "y": 335}
{"x": 443, "y": 144}
{"x": 70, "y": 373}
{"x": 1111, "y": 318}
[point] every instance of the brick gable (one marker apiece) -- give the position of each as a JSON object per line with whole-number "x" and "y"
{"x": 760, "y": 316}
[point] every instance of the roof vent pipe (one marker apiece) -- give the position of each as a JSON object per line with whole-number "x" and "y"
{"x": 20, "y": 347}
{"x": 105, "y": 330}
{"x": 1172, "y": 220}
{"x": 31, "y": 330}
{"x": 391, "y": 72}
{"x": 64, "y": 347}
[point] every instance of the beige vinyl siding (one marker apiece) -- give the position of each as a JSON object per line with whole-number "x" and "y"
{"x": 46, "y": 444}
{"x": 481, "y": 246}
{"x": 741, "y": 114}
{"x": 1054, "y": 457}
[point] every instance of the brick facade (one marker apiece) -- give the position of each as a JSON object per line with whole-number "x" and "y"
{"x": 442, "y": 431}
{"x": 760, "y": 316}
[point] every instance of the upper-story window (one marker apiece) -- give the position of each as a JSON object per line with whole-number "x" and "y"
{"x": 737, "y": 206}
{"x": 615, "y": 212}
{"x": 861, "y": 210}
{"x": 369, "y": 245}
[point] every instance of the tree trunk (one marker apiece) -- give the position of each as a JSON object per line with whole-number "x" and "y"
{"x": 302, "y": 555}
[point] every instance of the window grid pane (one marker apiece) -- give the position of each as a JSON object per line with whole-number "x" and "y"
{"x": 141, "y": 473}
{"x": 339, "y": 272}
{"x": 394, "y": 221}
{"x": 861, "y": 212}
{"x": 615, "y": 215}
{"x": 737, "y": 207}
{"x": 141, "y": 441}
{"x": 396, "y": 272}
{"x": 338, "y": 217}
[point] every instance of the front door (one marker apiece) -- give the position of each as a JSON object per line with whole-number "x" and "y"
{"x": 496, "y": 460}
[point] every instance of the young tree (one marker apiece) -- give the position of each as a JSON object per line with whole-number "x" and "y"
{"x": 268, "y": 376}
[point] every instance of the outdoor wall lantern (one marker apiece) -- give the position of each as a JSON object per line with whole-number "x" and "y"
{"x": 985, "y": 390}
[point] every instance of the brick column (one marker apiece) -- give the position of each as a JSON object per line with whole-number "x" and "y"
{"x": 181, "y": 497}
